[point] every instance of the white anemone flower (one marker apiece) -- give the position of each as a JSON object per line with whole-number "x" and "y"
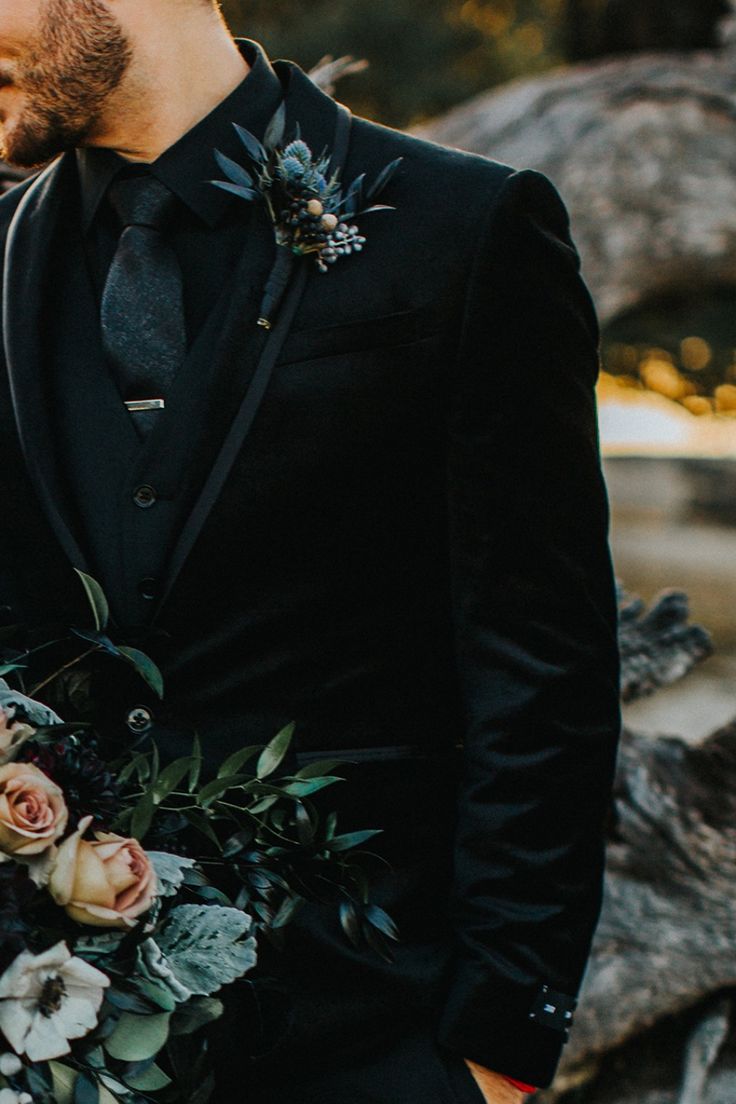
{"x": 48, "y": 999}
{"x": 10, "y": 1096}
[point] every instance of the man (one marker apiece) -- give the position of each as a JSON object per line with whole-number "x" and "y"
{"x": 400, "y": 543}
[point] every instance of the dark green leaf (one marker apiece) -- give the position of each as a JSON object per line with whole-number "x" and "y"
{"x": 170, "y": 777}
{"x": 236, "y": 843}
{"x": 196, "y": 758}
{"x": 234, "y": 762}
{"x": 263, "y": 805}
{"x": 134, "y": 767}
{"x": 352, "y": 839}
{"x": 194, "y": 1014}
{"x": 319, "y": 767}
{"x": 145, "y": 667}
{"x": 330, "y": 825}
{"x": 203, "y": 1093}
{"x": 212, "y": 893}
{"x": 288, "y": 909}
{"x": 305, "y": 825}
{"x": 97, "y": 600}
{"x": 253, "y": 147}
{"x": 127, "y": 1002}
{"x": 274, "y": 135}
{"x": 302, "y": 787}
{"x": 273, "y": 754}
{"x": 382, "y": 921}
{"x": 383, "y": 178}
{"x": 350, "y": 922}
{"x": 217, "y": 787}
{"x": 142, "y": 816}
{"x": 8, "y": 668}
{"x": 101, "y": 639}
{"x": 202, "y": 824}
{"x": 377, "y": 943}
{"x": 85, "y": 1090}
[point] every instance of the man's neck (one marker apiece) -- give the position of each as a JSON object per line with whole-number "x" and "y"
{"x": 173, "y": 83}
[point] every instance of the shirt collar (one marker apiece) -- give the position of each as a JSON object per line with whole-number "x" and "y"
{"x": 187, "y": 167}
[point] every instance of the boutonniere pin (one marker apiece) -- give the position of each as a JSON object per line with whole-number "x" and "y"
{"x": 309, "y": 208}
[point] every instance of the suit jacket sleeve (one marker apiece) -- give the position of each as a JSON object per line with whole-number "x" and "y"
{"x": 536, "y": 642}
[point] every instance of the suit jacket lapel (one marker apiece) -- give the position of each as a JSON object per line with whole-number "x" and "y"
{"x": 251, "y": 346}
{"x": 26, "y": 266}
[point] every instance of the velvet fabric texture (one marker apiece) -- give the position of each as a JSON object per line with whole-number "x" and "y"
{"x": 409, "y": 558}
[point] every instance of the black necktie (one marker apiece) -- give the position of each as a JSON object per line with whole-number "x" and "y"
{"x": 142, "y": 316}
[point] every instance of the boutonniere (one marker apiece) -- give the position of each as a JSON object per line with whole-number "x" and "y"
{"x": 310, "y": 209}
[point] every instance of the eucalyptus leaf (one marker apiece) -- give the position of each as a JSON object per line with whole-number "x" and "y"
{"x": 97, "y": 600}
{"x": 63, "y": 1079}
{"x": 234, "y": 172}
{"x": 170, "y": 871}
{"x": 236, "y": 189}
{"x": 151, "y": 1080}
{"x": 383, "y": 178}
{"x": 136, "y": 1038}
{"x": 274, "y": 752}
{"x": 207, "y": 946}
{"x": 253, "y": 147}
{"x": 145, "y": 667}
{"x": 274, "y": 135}
{"x": 381, "y": 920}
{"x": 196, "y": 1013}
{"x": 350, "y": 922}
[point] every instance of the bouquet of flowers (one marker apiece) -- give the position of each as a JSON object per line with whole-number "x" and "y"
{"x": 133, "y": 893}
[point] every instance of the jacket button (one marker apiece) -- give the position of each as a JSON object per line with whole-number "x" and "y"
{"x": 148, "y": 588}
{"x": 139, "y": 719}
{"x": 145, "y": 496}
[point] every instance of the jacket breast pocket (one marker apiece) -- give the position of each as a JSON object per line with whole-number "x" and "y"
{"x": 357, "y": 335}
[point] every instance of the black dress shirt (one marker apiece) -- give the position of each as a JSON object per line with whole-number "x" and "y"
{"x": 208, "y": 235}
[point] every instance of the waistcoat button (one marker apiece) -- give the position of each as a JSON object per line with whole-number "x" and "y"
{"x": 148, "y": 588}
{"x": 145, "y": 496}
{"x": 139, "y": 719}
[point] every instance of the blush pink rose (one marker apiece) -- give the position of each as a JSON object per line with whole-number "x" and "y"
{"x": 107, "y": 882}
{"x": 33, "y": 813}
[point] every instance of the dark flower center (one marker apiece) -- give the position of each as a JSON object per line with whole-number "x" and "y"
{"x": 52, "y": 995}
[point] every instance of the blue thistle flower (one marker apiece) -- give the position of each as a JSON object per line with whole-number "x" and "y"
{"x": 291, "y": 168}
{"x": 300, "y": 150}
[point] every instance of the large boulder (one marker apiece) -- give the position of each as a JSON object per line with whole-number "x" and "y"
{"x": 643, "y": 150}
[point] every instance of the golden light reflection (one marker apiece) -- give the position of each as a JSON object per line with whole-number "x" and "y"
{"x": 695, "y": 353}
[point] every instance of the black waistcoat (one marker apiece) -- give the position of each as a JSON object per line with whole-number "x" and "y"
{"x": 129, "y": 497}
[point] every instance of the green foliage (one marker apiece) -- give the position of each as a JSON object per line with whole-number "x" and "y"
{"x": 425, "y": 55}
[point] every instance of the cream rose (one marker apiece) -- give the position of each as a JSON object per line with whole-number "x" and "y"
{"x": 33, "y": 812}
{"x": 107, "y": 882}
{"x": 13, "y": 734}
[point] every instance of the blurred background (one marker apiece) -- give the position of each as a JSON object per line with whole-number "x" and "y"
{"x": 629, "y": 106}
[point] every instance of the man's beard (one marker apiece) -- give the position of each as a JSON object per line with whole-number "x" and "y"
{"x": 67, "y": 74}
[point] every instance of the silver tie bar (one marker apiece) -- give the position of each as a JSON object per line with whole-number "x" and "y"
{"x": 134, "y": 405}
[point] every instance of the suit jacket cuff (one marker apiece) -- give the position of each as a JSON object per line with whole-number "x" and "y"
{"x": 505, "y": 1035}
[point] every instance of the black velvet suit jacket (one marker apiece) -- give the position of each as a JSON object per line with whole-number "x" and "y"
{"x": 408, "y": 554}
